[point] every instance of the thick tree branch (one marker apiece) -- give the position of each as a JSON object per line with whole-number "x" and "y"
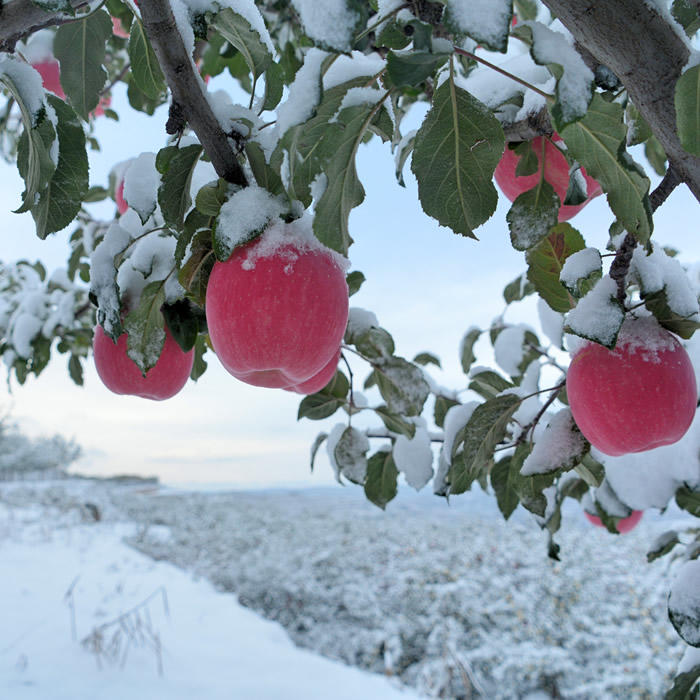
{"x": 21, "y": 17}
{"x": 186, "y": 90}
{"x": 632, "y": 39}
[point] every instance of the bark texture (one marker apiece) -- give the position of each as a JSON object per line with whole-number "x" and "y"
{"x": 632, "y": 39}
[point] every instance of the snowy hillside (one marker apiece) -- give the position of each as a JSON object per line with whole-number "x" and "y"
{"x": 451, "y": 600}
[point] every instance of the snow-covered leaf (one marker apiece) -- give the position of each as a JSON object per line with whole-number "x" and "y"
{"x": 375, "y": 343}
{"x": 456, "y": 152}
{"x": 597, "y": 142}
{"x": 395, "y": 423}
{"x": 687, "y": 113}
{"x": 349, "y": 453}
{"x": 488, "y": 383}
{"x": 689, "y": 500}
{"x": 599, "y": 315}
{"x": 684, "y": 602}
{"x": 663, "y": 544}
{"x": 402, "y": 386}
{"x": 478, "y": 439}
{"x": 80, "y": 49}
{"x": 532, "y": 215}
{"x": 545, "y": 263}
{"x": 581, "y": 270}
{"x": 485, "y": 21}
{"x": 380, "y": 484}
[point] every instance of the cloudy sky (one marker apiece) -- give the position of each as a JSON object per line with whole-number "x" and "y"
{"x": 426, "y": 285}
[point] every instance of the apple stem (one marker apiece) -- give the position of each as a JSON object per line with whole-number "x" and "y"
{"x": 493, "y": 66}
{"x": 352, "y": 396}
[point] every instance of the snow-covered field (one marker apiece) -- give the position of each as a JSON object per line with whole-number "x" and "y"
{"x": 450, "y": 600}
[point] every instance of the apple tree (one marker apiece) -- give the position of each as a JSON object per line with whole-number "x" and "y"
{"x": 543, "y": 97}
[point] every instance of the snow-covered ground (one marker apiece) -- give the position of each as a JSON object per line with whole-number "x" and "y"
{"x": 450, "y": 600}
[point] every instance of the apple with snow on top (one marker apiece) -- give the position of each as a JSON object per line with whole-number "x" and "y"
{"x": 120, "y": 374}
{"x": 639, "y": 396}
{"x": 623, "y": 526}
{"x": 556, "y": 173}
{"x": 50, "y": 72}
{"x": 277, "y": 311}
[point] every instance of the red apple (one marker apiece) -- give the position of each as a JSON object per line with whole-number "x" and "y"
{"x": 120, "y": 374}
{"x": 122, "y": 205}
{"x": 276, "y": 319}
{"x": 318, "y": 381}
{"x": 639, "y": 396}
{"x": 118, "y": 28}
{"x": 623, "y": 526}
{"x": 556, "y": 173}
{"x": 50, "y": 72}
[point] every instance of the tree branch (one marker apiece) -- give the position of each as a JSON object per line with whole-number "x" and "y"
{"x": 186, "y": 90}
{"x": 643, "y": 50}
{"x": 21, "y": 17}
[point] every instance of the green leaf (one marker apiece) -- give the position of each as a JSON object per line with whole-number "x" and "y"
{"x": 392, "y": 36}
{"x": 174, "y": 191}
{"x": 527, "y": 9}
{"x": 413, "y": 68}
{"x": 354, "y": 280}
{"x": 638, "y": 130}
{"x": 546, "y": 261}
{"x": 402, "y": 386}
{"x": 199, "y": 366}
{"x": 656, "y": 155}
{"x": 274, "y": 86}
{"x": 466, "y": 348}
{"x": 185, "y": 321}
{"x": 687, "y": 102}
{"x": 145, "y": 326}
{"x": 60, "y": 202}
{"x": 479, "y": 438}
{"x": 504, "y": 476}
{"x": 689, "y": 500}
{"x": 597, "y": 142}
{"x": 532, "y": 215}
{"x": 528, "y": 162}
{"x": 395, "y": 423}
{"x": 319, "y": 406}
{"x": 405, "y": 148}
{"x": 320, "y": 438}
{"x": 211, "y": 197}
{"x": 75, "y": 369}
{"x": 658, "y": 304}
{"x": 427, "y": 358}
{"x": 380, "y": 484}
{"x": 590, "y": 470}
{"x": 80, "y": 48}
{"x": 518, "y": 289}
{"x": 456, "y": 152}
{"x": 442, "y": 405}
{"x": 145, "y": 68}
{"x": 374, "y": 344}
{"x": 265, "y": 176}
{"x": 685, "y": 686}
{"x": 239, "y": 33}
{"x": 344, "y": 190}
{"x": 489, "y": 384}
{"x": 687, "y": 15}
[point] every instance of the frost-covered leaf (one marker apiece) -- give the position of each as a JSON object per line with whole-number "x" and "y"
{"x": 145, "y": 68}
{"x": 485, "y": 21}
{"x": 466, "y": 348}
{"x": 409, "y": 69}
{"x": 80, "y": 49}
{"x": 349, "y": 453}
{"x": 545, "y": 263}
{"x": 663, "y": 544}
{"x": 686, "y": 685}
{"x": 320, "y": 438}
{"x": 597, "y": 142}
{"x": 574, "y": 78}
{"x": 402, "y": 386}
{"x": 684, "y": 602}
{"x": 380, "y": 484}
{"x": 456, "y": 152}
{"x": 504, "y": 477}
{"x": 687, "y": 100}
{"x": 145, "y": 326}
{"x": 599, "y": 315}
{"x": 239, "y": 32}
{"x": 559, "y": 447}
{"x": 174, "y": 192}
{"x": 478, "y": 439}
{"x": 532, "y": 215}
{"x": 375, "y": 343}
{"x": 395, "y": 423}
{"x": 59, "y": 203}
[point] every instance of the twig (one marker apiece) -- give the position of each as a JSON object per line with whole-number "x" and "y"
{"x": 530, "y": 426}
{"x": 621, "y": 264}
{"x": 670, "y": 181}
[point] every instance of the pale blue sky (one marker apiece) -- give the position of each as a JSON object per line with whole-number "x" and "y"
{"x": 425, "y": 284}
